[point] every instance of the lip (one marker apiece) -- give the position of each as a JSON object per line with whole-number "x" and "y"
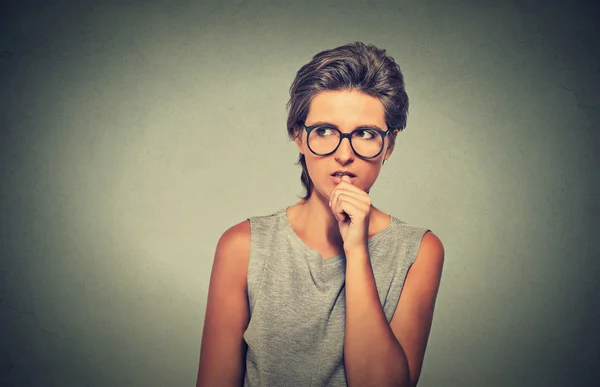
{"x": 338, "y": 180}
{"x": 345, "y": 172}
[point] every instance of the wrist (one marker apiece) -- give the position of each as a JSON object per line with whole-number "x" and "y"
{"x": 356, "y": 251}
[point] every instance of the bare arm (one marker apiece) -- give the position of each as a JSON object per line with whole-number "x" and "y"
{"x": 223, "y": 350}
{"x": 377, "y": 353}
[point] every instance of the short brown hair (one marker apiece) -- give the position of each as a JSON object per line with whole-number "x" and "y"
{"x": 355, "y": 66}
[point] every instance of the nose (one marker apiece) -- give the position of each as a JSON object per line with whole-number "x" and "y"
{"x": 344, "y": 153}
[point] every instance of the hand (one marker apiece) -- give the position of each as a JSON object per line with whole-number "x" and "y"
{"x": 351, "y": 207}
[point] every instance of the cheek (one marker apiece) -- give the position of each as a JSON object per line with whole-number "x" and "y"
{"x": 316, "y": 170}
{"x": 311, "y": 164}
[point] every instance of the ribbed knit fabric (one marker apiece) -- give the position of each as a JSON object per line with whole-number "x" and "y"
{"x": 297, "y": 301}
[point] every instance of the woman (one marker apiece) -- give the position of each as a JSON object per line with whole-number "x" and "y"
{"x": 320, "y": 293}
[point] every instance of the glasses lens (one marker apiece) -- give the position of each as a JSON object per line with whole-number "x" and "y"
{"x": 366, "y": 142}
{"x": 323, "y": 140}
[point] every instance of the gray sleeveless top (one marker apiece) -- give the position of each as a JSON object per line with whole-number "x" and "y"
{"x": 295, "y": 334}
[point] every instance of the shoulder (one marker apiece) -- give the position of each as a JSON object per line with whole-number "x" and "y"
{"x": 431, "y": 247}
{"x": 423, "y": 245}
{"x": 236, "y": 236}
{"x": 233, "y": 251}
{"x": 426, "y": 240}
{"x": 430, "y": 259}
{"x": 420, "y": 240}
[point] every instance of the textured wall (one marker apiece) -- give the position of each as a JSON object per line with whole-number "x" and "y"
{"x": 134, "y": 133}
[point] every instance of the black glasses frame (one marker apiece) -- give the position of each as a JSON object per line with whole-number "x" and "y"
{"x": 309, "y": 129}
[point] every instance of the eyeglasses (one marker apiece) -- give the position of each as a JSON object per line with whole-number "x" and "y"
{"x": 366, "y": 142}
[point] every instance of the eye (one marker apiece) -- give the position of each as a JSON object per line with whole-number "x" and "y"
{"x": 324, "y": 131}
{"x": 366, "y": 134}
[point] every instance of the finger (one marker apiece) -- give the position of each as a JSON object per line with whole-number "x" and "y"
{"x": 355, "y": 208}
{"x": 348, "y": 186}
{"x": 365, "y": 199}
{"x": 357, "y": 202}
{"x": 347, "y": 212}
{"x": 361, "y": 195}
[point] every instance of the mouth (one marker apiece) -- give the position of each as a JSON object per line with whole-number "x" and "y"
{"x": 336, "y": 177}
{"x": 341, "y": 174}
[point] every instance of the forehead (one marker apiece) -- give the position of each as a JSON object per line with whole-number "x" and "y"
{"x": 346, "y": 108}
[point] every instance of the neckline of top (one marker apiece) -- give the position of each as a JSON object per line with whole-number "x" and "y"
{"x": 314, "y": 253}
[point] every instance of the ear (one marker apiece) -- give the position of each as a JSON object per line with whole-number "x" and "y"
{"x": 391, "y": 144}
{"x": 298, "y": 141}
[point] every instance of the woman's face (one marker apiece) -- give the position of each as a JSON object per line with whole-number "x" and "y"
{"x": 345, "y": 110}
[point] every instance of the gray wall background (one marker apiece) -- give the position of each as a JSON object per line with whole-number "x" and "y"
{"x": 135, "y": 133}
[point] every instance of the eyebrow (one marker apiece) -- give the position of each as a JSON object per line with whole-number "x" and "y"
{"x": 329, "y": 124}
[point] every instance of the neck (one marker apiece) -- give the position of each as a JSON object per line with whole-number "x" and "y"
{"x": 319, "y": 221}
{"x": 313, "y": 221}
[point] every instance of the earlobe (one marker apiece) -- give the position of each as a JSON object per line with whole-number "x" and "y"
{"x": 298, "y": 141}
{"x": 388, "y": 152}
{"x": 390, "y": 147}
